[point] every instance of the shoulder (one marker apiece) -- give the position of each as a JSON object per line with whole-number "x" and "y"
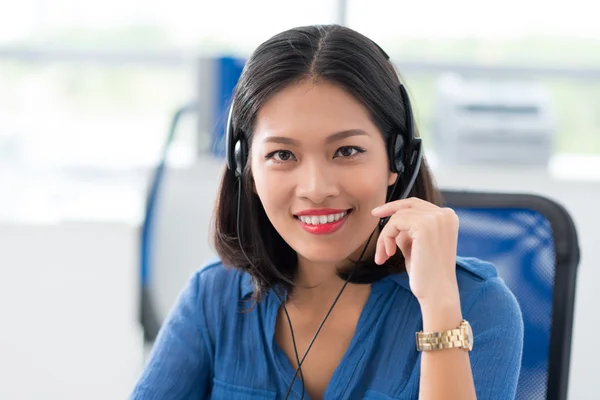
{"x": 497, "y": 322}
{"x": 215, "y": 280}
{"x": 217, "y": 290}
{"x": 484, "y": 293}
{"x": 477, "y": 280}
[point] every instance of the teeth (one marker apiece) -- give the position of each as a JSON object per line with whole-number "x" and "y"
{"x": 322, "y": 219}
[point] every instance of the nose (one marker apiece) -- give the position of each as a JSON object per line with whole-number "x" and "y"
{"x": 316, "y": 182}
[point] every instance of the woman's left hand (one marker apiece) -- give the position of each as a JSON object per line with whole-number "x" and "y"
{"x": 427, "y": 235}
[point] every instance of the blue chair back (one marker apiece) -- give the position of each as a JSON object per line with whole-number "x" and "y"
{"x": 533, "y": 243}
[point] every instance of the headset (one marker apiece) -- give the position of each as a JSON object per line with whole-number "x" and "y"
{"x": 405, "y": 152}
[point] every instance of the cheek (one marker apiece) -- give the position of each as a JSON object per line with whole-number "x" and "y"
{"x": 262, "y": 189}
{"x": 367, "y": 188}
{"x": 270, "y": 193}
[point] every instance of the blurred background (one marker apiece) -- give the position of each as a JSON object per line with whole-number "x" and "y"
{"x": 510, "y": 91}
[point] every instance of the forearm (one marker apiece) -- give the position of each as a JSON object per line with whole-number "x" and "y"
{"x": 445, "y": 374}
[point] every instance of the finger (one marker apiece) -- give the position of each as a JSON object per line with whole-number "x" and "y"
{"x": 405, "y": 213}
{"x": 390, "y": 239}
{"x": 380, "y": 254}
{"x": 404, "y": 243}
{"x": 403, "y": 222}
{"x": 386, "y": 247}
{"x": 394, "y": 206}
{"x": 390, "y": 245}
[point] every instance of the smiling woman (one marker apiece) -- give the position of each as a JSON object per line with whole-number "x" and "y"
{"x": 334, "y": 250}
{"x": 318, "y": 125}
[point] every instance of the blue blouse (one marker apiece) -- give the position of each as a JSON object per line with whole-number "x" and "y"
{"x": 208, "y": 349}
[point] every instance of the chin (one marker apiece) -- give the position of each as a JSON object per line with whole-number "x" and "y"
{"x": 329, "y": 248}
{"x": 324, "y": 260}
{"x": 324, "y": 253}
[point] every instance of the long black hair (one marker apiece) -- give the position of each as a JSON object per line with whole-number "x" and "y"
{"x": 326, "y": 53}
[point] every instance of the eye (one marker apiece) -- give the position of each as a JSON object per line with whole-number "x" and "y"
{"x": 280, "y": 156}
{"x": 348, "y": 151}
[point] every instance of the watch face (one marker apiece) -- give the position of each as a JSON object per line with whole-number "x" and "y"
{"x": 468, "y": 333}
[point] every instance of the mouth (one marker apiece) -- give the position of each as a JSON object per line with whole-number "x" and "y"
{"x": 323, "y": 223}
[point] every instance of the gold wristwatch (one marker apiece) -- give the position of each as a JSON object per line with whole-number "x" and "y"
{"x": 462, "y": 338}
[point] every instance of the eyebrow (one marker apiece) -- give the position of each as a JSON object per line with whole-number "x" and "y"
{"x": 330, "y": 139}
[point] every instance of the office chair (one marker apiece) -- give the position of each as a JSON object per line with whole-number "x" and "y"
{"x": 533, "y": 243}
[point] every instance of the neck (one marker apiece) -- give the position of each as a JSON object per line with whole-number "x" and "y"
{"x": 318, "y": 285}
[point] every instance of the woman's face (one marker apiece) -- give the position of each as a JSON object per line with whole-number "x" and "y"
{"x": 319, "y": 166}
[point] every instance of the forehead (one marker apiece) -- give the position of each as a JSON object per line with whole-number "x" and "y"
{"x": 311, "y": 110}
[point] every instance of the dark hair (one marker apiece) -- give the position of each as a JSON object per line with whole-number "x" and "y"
{"x": 330, "y": 53}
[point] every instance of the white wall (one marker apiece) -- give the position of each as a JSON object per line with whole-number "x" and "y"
{"x": 68, "y": 309}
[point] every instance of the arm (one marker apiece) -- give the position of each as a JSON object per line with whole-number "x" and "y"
{"x": 445, "y": 374}
{"x": 427, "y": 235}
{"x": 491, "y": 370}
{"x": 180, "y": 363}
{"x": 498, "y": 330}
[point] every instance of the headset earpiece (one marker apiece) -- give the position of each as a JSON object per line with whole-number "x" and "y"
{"x": 230, "y": 142}
{"x": 236, "y": 148}
{"x": 397, "y": 156}
{"x": 405, "y": 154}
{"x": 240, "y": 156}
{"x": 403, "y": 158}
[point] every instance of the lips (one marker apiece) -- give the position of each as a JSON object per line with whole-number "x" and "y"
{"x": 321, "y": 222}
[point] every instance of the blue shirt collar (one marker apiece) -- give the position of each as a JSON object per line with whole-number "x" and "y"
{"x": 482, "y": 269}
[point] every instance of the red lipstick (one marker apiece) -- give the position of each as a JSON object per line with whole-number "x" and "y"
{"x": 321, "y": 227}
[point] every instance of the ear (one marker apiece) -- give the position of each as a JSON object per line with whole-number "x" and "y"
{"x": 392, "y": 178}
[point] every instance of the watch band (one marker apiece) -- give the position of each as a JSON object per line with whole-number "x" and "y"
{"x": 461, "y": 337}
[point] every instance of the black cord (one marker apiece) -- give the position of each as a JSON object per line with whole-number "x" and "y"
{"x": 295, "y": 348}
{"x": 325, "y": 319}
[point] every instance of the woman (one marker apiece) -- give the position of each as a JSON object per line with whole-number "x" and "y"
{"x": 332, "y": 239}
